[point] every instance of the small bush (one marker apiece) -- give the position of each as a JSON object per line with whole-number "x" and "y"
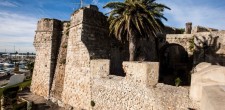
{"x": 177, "y": 81}
{"x": 192, "y": 45}
{"x": 22, "y": 85}
{"x": 65, "y": 46}
{"x": 63, "y": 61}
{"x": 11, "y": 92}
{"x": 21, "y": 106}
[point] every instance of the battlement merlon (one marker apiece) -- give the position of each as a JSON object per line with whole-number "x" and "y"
{"x": 90, "y": 16}
{"x": 47, "y": 24}
{"x": 48, "y": 31}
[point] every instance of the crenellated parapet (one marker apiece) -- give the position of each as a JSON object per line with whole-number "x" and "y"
{"x": 48, "y": 31}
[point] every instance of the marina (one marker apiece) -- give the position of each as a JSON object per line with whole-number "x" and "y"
{"x": 13, "y": 64}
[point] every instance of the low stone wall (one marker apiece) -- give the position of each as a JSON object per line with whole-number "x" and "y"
{"x": 197, "y": 29}
{"x": 100, "y": 68}
{"x": 142, "y": 73}
{"x": 134, "y": 91}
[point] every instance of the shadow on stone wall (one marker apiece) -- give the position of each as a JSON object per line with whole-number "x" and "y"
{"x": 118, "y": 54}
{"x": 206, "y": 50}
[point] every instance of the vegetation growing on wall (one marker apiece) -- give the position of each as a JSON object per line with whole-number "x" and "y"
{"x": 64, "y": 46}
{"x": 192, "y": 45}
{"x": 30, "y": 66}
{"x": 63, "y": 61}
{"x": 68, "y": 29}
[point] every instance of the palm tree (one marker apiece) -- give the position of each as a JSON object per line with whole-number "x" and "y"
{"x": 134, "y": 19}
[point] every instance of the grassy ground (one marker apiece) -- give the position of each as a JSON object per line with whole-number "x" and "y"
{"x": 22, "y": 85}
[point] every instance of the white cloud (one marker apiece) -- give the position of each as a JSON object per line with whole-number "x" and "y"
{"x": 183, "y": 11}
{"x": 16, "y": 29}
{"x": 95, "y": 2}
{"x": 8, "y": 4}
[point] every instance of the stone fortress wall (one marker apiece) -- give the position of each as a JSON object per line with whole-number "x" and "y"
{"x": 86, "y": 42}
{"x": 200, "y": 42}
{"x": 72, "y": 67}
{"x": 135, "y": 91}
{"x": 46, "y": 43}
{"x": 58, "y": 82}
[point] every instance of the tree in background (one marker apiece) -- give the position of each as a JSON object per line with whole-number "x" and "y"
{"x": 30, "y": 66}
{"x": 134, "y": 19}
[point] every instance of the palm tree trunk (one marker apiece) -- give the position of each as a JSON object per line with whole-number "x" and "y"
{"x": 132, "y": 47}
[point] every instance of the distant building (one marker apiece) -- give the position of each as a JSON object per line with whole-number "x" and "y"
{"x": 18, "y": 55}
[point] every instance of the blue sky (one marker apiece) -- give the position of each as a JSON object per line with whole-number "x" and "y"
{"x": 19, "y": 17}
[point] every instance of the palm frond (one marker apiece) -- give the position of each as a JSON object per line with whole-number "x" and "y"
{"x": 140, "y": 17}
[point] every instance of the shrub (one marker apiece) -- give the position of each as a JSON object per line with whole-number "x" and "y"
{"x": 177, "y": 81}
{"x": 65, "y": 46}
{"x": 21, "y": 106}
{"x": 63, "y": 61}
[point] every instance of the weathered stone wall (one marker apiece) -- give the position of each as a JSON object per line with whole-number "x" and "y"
{"x": 204, "y": 46}
{"x": 46, "y": 43}
{"x": 213, "y": 97}
{"x": 205, "y": 75}
{"x": 135, "y": 91}
{"x": 184, "y": 40}
{"x": 68, "y": 72}
{"x": 87, "y": 40}
{"x": 144, "y": 73}
{"x": 198, "y": 29}
{"x": 209, "y": 47}
{"x": 58, "y": 82}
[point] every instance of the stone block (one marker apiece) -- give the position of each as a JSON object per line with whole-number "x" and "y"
{"x": 202, "y": 66}
{"x": 47, "y": 24}
{"x": 145, "y": 73}
{"x": 100, "y": 68}
{"x": 213, "y": 97}
{"x": 210, "y": 75}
